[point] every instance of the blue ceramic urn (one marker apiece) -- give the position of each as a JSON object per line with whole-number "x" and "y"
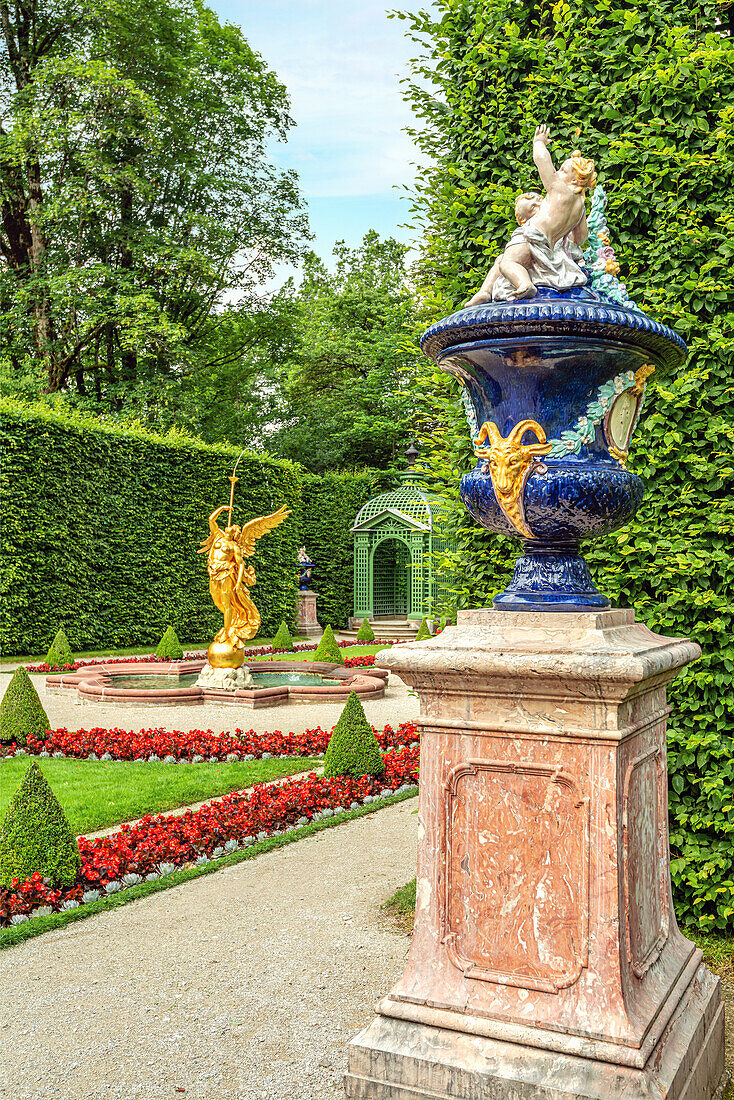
{"x": 553, "y": 388}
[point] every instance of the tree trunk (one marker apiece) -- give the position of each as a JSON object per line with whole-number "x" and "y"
{"x": 44, "y": 327}
{"x": 128, "y": 358}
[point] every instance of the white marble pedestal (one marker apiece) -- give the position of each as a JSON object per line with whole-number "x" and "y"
{"x": 546, "y": 961}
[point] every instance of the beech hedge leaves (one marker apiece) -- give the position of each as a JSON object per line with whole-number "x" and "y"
{"x": 101, "y": 526}
{"x": 646, "y": 88}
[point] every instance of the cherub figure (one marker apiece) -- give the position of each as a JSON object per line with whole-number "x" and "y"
{"x": 545, "y": 249}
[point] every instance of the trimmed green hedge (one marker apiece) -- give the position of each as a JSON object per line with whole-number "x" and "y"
{"x": 169, "y": 645}
{"x": 283, "y": 639}
{"x": 102, "y": 524}
{"x": 353, "y": 748}
{"x": 327, "y": 649}
{"x": 36, "y": 835}
{"x": 330, "y": 506}
{"x": 21, "y": 710}
{"x": 59, "y": 652}
{"x": 365, "y": 632}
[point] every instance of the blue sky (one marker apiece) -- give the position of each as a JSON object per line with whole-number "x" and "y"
{"x": 341, "y": 62}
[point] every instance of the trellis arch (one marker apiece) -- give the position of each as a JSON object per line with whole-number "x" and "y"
{"x": 406, "y": 515}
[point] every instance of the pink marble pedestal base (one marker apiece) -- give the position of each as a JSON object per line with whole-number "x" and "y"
{"x": 546, "y": 960}
{"x": 307, "y": 625}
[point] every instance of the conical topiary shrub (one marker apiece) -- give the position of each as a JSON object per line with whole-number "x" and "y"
{"x": 353, "y": 748}
{"x": 423, "y": 631}
{"x": 21, "y": 712}
{"x": 59, "y": 653}
{"x": 169, "y": 646}
{"x": 327, "y": 649}
{"x": 365, "y": 632}
{"x": 282, "y": 639}
{"x": 36, "y": 836}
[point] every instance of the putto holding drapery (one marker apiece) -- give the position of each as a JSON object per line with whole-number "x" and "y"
{"x": 545, "y": 249}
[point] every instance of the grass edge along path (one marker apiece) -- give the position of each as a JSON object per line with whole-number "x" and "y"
{"x": 718, "y": 951}
{"x": 36, "y": 926}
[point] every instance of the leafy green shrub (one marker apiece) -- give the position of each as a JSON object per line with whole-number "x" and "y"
{"x": 282, "y": 639}
{"x": 616, "y": 83}
{"x": 169, "y": 646}
{"x": 36, "y": 836}
{"x": 423, "y": 631}
{"x": 163, "y": 488}
{"x": 21, "y": 711}
{"x": 327, "y": 649}
{"x": 59, "y": 653}
{"x": 330, "y": 503}
{"x": 365, "y": 632}
{"x": 353, "y": 748}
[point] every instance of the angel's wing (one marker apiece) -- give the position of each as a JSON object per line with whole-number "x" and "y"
{"x": 257, "y": 527}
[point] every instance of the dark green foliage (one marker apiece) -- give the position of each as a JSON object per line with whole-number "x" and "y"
{"x": 21, "y": 712}
{"x": 36, "y": 836}
{"x": 346, "y": 380}
{"x": 365, "y": 632}
{"x": 353, "y": 748}
{"x": 282, "y": 639}
{"x": 123, "y": 515}
{"x": 169, "y": 645}
{"x": 327, "y": 649}
{"x": 330, "y": 506}
{"x": 423, "y": 631}
{"x": 645, "y": 88}
{"x": 135, "y": 143}
{"x": 59, "y": 653}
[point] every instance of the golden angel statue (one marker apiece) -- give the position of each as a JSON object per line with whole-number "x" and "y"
{"x": 228, "y": 574}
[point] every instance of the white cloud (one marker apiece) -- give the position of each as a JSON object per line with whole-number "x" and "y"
{"x": 342, "y": 65}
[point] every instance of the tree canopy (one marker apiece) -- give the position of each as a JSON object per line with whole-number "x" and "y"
{"x": 346, "y": 380}
{"x": 138, "y": 199}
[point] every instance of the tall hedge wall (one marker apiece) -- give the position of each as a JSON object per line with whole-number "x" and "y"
{"x": 330, "y": 504}
{"x": 101, "y": 526}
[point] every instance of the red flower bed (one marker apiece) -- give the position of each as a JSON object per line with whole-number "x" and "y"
{"x": 131, "y": 745}
{"x": 180, "y": 839}
{"x": 360, "y": 662}
{"x": 263, "y": 651}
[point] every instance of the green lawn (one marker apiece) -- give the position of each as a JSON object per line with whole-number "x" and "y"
{"x": 96, "y": 793}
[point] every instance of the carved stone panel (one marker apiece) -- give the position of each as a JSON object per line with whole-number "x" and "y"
{"x": 515, "y": 905}
{"x": 645, "y": 861}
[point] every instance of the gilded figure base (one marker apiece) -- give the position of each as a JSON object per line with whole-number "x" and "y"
{"x": 224, "y": 655}
{"x": 225, "y": 679}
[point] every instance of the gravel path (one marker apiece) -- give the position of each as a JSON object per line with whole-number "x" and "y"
{"x": 245, "y": 984}
{"x": 397, "y": 705}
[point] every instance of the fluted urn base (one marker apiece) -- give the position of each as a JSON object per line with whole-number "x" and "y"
{"x": 551, "y": 576}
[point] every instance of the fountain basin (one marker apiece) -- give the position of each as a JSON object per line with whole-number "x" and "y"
{"x": 280, "y": 682}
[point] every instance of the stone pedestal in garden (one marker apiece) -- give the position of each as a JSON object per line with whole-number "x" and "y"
{"x": 307, "y": 624}
{"x": 546, "y": 960}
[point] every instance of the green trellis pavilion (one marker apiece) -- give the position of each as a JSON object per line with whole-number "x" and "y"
{"x": 395, "y": 550}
